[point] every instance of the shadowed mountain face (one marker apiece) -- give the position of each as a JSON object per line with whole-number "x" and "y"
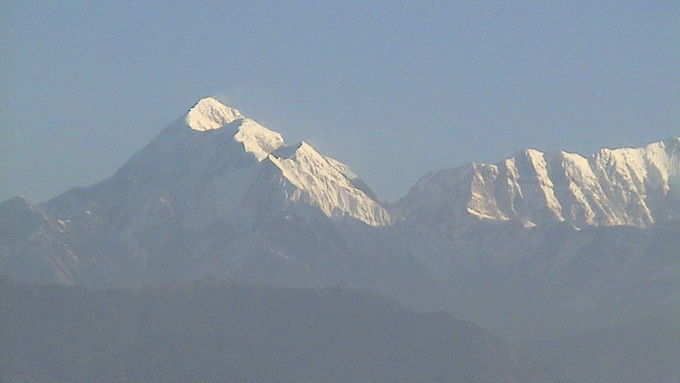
{"x": 216, "y": 333}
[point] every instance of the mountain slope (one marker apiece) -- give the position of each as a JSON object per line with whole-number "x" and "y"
{"x": 33, "y": 245}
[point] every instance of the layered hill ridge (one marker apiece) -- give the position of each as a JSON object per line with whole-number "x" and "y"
{"x": 614, "y": 187}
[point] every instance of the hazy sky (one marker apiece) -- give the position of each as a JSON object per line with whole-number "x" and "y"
{"x": 395, "y": 89}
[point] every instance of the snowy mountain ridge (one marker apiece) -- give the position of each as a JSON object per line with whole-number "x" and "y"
{"x": 627, "y": 186}
{"x": 312, "y": 172}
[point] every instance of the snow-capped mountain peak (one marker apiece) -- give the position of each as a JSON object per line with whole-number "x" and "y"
{"x": 218, "y": 165}
{"x": 210, "y": 114}
{"x": 204, "y": 194}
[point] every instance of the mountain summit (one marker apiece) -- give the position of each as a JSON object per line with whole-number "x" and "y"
{"x": 210, "y": 114}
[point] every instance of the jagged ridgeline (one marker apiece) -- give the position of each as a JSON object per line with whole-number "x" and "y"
{"x": 613, "y": 187}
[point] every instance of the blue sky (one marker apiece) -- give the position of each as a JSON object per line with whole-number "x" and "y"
{"x": 395, "y": 89}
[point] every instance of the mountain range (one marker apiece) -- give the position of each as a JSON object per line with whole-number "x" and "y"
{"x": 620, "y": 187}
{"x": 218, "y": 195}
{"x": 577, "y": 256}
